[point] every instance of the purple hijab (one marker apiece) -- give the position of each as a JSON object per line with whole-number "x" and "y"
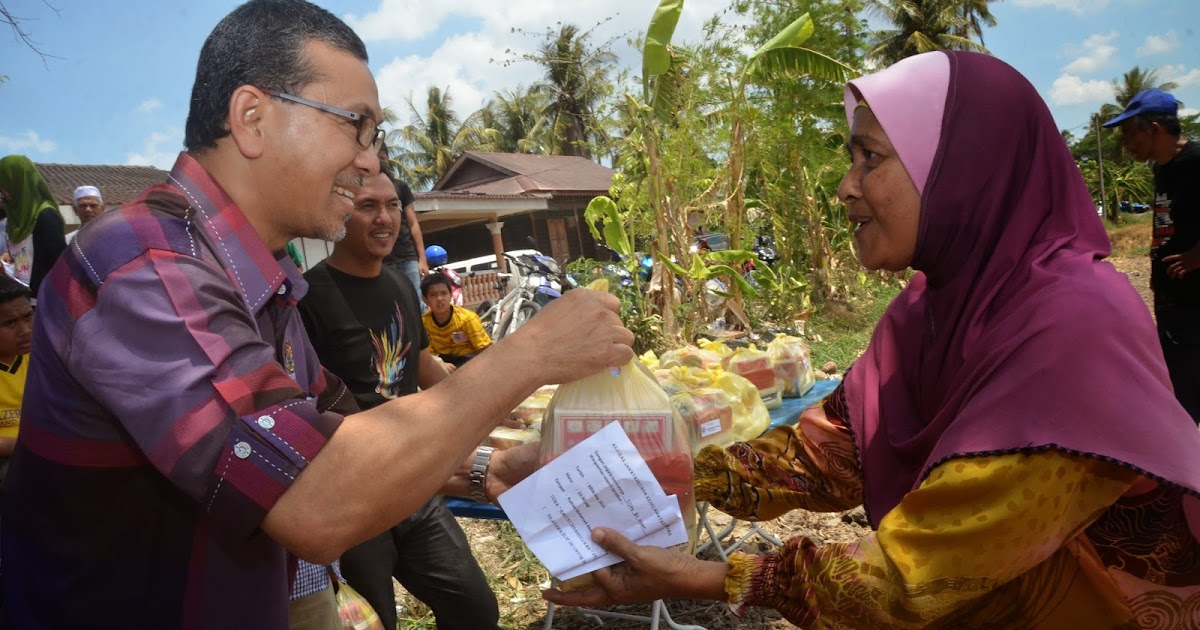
{"x": 1015, "y": 336}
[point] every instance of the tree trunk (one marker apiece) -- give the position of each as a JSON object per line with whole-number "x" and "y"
{"x": 662, "y": 244}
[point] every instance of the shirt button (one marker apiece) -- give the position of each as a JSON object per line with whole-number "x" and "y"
{"x": 266, "y": 422}
{"x": 282, "y": 289}
{"x": 242, "y": 450}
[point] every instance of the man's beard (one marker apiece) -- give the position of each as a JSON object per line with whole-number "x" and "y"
{"x": 331, "y": 234}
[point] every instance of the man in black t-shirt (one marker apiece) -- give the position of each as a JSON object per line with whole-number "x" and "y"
{"x": 1150, "y": 130}
{"x": 364, "y": 321}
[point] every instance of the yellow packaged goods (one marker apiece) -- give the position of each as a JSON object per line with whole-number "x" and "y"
{"x": 690, "y": 356}
{"x": 750, "y": 415}
{"x": 354, "y": 613}
{"x": 533, "y": 409}
{"x": 650, "y": 360}
{"x": 708, "y": 411}
{"x": 502, "y": 438}
{"x": 629, "y": 395}
{"x": 718, "y": 348}
{"x": 793, "y": 365}
{"x": 755, "y": 366}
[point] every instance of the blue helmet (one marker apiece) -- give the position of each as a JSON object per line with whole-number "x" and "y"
{"x": 435, "y": 255}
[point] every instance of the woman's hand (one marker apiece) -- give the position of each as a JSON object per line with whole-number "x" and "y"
{"x": 509, "y": 467}
{"x": 648, "y": 573}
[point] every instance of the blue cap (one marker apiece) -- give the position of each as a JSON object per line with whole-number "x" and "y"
{"x": 1151, "y": 101}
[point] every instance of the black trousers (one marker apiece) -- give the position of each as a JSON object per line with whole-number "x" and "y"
{"x": 1183, "y": 363}
{"x": 428, "y": 553}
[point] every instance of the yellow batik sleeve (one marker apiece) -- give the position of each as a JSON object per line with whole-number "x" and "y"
{"x": 812, "y": 465}
{"x": 983, "y": 542}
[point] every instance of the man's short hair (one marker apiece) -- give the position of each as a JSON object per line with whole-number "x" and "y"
{"x": 11, "y": 290}
{"x": 432, "y": 279}
{"x": 261, "y": 43}
{"x": 1169, "y": 123}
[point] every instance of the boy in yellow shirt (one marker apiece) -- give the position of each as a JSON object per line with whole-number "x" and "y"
{"x": 16, "y": 335}
{"x": 455, "y": 333}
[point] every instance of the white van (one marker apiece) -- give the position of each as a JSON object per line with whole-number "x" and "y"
{"x": 483, "y": 263}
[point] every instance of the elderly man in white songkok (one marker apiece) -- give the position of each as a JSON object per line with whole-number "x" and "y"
{"x": 89, "y": 204}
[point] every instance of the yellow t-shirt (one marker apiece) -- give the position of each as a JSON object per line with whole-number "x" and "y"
{"x": 461, "y": 336}
{"x": 12, "y": 389}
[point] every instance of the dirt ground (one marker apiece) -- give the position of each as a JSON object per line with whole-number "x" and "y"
{"x": 518, "y": 579}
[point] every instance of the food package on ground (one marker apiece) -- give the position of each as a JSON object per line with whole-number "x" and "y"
{"x": 755, "y": 366}
{"x": 629, "y": 395}
{"x": 669, "y": 382}
{"x": 794, "y": 373}
{"x": 532, "y": 409}
{"x": 650, "y": 360}
{"x": 750, "y": 414}
{"x": 502, "y": 438}
{"x": 708, "y": 411}
{"x": 719, "y": 348}
{"x": 690, "y": 356}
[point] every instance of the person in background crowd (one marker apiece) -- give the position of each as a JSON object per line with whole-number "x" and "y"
{"x": 89, "y": 204}
{"x": 16, "y": 335}
{"x": 179, "y": 437}
{"x": 408, "y": 254}
{"x": 1021, "y": 458}
{"x": 1150, "y": 130}
{"x": 293, "y": 252}
{"x": 455, "y": 332}
{"x": 35, "y": 226}
{"x": 364, "y": 320}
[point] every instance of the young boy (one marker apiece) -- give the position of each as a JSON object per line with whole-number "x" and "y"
{"x": 455, "y": 333}
{"x": 16, "y": 335}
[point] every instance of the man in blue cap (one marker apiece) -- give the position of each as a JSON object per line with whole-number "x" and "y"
{"x": 1150, "y": 131}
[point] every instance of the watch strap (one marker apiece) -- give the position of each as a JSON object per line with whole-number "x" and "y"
{"x": 479, "y": 468}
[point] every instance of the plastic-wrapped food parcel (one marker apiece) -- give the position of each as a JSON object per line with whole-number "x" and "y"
{"x": 629, "y": 395}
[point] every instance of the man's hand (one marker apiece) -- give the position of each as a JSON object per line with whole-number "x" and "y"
{"x": 1180, "y": 265}
{"x": 509, "y": 467}
{"x": 575, "y": 336}
{"x": 648, "y": 573}
{"x": 423, "y": 267}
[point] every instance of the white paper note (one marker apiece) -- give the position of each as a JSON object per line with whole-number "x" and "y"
{"x": 602, "y": 481}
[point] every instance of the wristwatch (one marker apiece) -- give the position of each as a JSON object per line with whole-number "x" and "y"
{"x": 479, "y": 468}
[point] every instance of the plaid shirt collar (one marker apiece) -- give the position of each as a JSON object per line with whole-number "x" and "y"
{"x": 258, "y": 274}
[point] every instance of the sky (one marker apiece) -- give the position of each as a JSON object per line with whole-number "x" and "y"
{"x": 116, "y": 88}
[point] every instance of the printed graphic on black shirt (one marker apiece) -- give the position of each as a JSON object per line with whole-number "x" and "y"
{"x": 390, "y": 356}
{"x": 1164, "y": 227}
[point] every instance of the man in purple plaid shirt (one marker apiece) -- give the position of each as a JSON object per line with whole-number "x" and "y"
{"x": 179, "y": 436}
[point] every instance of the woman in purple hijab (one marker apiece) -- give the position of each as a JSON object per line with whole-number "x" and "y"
{"x": 1010, "y": 429}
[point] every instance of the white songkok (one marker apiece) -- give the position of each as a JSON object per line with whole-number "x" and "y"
{"x": 87, "y": 191}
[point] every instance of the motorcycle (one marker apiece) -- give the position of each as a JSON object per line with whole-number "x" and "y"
{"x": 535, "y": 281}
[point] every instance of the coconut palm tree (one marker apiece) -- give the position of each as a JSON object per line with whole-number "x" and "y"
{"x": 515, "y": 121}
{"x": 1134, "y": 81}
{"x": 976, "y": 14}
{"x": 431, "y": 142}
{"x": 920, "y": 26}
{"x": 576, "y": 82}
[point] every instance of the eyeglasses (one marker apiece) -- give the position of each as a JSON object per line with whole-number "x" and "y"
{"x": 370, "y": 136}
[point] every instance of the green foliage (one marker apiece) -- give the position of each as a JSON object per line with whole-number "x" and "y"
{"x": 576, "y": 83}
{"x": 427, "y": 147}
{"x": 782, "y": 56}
{"x": 656, "y": 55}
{"x": 603, "y": 211}
{"x": 919, "y": 26}
{"x": 636, "y": 312}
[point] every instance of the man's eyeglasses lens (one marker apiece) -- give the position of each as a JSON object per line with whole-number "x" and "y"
{"x": 369, "y": 135}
